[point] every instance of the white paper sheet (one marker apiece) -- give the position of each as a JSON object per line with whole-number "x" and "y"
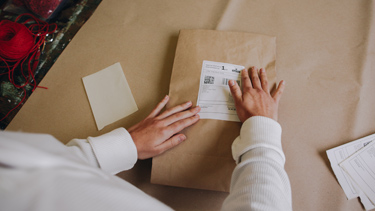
{"x": 336, "y": 156}
{"x": 366, "y": 201}
{"x": 361, "y": 168}
{"x": 109, "y": 95}
{"x": 214, "y": 96}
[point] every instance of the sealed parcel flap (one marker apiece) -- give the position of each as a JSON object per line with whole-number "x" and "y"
{"x": 204, "y": 159}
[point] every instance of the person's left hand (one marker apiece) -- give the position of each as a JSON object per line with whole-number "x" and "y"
{"x": 159, "y": 132}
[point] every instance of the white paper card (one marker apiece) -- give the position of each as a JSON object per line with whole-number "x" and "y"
{"x": 214, "y": 96}
{"x": 361, "y": 168}
{"x": 338, "y": 154}
{"x": 109, "y": 95}
{"x": 366, "y": 201}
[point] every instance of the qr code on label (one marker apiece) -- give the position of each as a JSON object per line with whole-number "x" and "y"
{"x": 209, "y": 79}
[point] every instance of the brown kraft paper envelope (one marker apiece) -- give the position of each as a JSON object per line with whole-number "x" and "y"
{"x": 204, "y": 160}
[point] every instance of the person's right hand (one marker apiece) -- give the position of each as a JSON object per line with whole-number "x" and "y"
{"x": 255, "y": 98}
{"x": 161, "y": 131}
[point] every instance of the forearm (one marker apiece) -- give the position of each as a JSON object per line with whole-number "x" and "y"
{"x": 113, "y": 152}
{"x": 259, "y": 182}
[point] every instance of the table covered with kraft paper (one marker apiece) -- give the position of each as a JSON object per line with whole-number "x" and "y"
{"x": 325, "y": 53}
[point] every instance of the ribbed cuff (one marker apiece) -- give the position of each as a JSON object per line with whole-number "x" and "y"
{"x": 257, "y": 131}
{"x": 115, "y": 151}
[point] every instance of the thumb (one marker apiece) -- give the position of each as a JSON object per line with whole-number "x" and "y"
{"x": 159, "y": 107}
{"x": 235, "y": 90}
{"x": 279, "y": 91}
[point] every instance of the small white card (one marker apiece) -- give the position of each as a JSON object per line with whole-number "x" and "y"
{"x": 214, "y": 95}
{"x": 109, "y": 95}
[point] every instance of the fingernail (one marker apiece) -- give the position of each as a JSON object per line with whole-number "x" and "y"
{"x": 197, "y": 108}
{"x": 283, "y": 82}
{"x": 166, "y": 97}
{"x": 188, "y": 103}
{"x": 197, "y": 116}
{"x": 231, "y": 82}
{"x": 262, "y": 70}
{"x": 181, "y": 138}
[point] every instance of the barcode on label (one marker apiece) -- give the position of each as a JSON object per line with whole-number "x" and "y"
{"x": 226, "y": 80}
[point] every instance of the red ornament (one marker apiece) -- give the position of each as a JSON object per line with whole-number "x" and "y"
{"x": 43, "y": 8}
{"x": 18, "y": 3}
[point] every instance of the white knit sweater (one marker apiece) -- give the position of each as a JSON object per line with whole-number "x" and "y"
{"x": 259, "y": 182}
{"x": 37, "y": 172}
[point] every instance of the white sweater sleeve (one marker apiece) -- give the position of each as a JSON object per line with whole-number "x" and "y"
{"x": 259, "y": 181}
{"x": 113, "y": 152}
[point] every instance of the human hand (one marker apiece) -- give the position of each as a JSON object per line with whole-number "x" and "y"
{"x": 255, "y": 98}
{"x": 159, "y": 132}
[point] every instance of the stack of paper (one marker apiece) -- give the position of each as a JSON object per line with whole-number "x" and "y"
{"x": 354, "y": 166}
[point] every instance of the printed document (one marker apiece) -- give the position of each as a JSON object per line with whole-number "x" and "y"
{"x": 339, "y": 154}
{"x": 214, "y": 96}
{"x": 361, "y": 168}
